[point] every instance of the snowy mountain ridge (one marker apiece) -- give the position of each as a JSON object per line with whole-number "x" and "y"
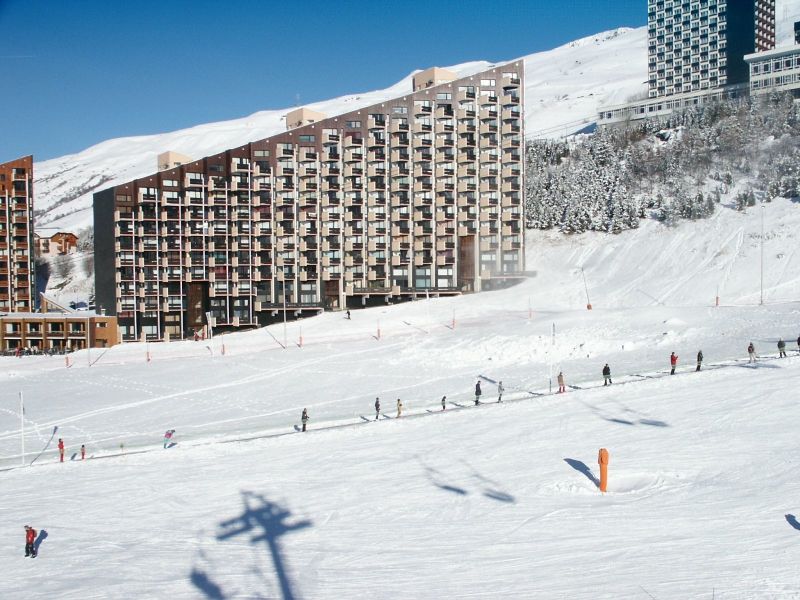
{"x": 563, "y": 89}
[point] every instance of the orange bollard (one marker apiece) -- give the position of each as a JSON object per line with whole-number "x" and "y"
{"x": 602, "y": 460}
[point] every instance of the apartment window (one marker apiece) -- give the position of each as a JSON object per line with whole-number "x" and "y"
{"x": 169, "y": 183}
{"x": 444, "y": 96}
{"x": 487, "y": 82}
{"x": 352, "y": 124}
{"x": 422, "y": 277}
{"x": 400, "y": 110}
{"x": 307, "y": 138}
{"x": 261, "y": 153}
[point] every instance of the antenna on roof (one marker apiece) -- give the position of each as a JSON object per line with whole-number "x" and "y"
{"x": 297, "y": 99}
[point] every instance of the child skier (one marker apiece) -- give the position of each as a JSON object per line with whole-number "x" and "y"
{"x": 751, "y": 352}
{"x": 30, "y": 540}
{"x": 83, "y": 452}
{"x": 377, "y": 408}
{"x": 561, "y": 387}
{"x": 399, "y": 408}
{"x": 477, "y": 393}
{"x": 61, "y": 449}
{"x": 168, "y": 437}
{"x": 444, "y": 399}
{"x": 500, "y": 391}
{"x": 699, "y": 359}
{"x": 673, "y": 362}
{"x": 304, "y": 418}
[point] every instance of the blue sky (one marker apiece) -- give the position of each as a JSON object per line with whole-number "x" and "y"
{"x": 83, "y": 71}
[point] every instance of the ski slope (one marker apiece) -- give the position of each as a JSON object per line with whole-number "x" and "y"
{"x": 486, "y": 502}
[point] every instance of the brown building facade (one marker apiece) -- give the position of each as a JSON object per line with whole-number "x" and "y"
{"x": 417, "y": 195}
{"x": 55, "y": 331}
{"x": 17, "y": 277}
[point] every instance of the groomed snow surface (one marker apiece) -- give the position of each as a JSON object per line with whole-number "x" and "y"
{"x": 496, "y": 501}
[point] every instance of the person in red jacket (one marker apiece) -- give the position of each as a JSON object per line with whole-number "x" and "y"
{"x": 30, "y": 540}
{"x": 673, "y": 362}
{"x": 83, "y": 451}
{"x": 61, "y": 449}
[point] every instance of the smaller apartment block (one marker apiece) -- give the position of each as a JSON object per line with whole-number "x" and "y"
{"x": 775, "y": 71}
{"x": 418, "y": 195}
{"x": 55, "y": 331}
{"x": 17, "y": 281}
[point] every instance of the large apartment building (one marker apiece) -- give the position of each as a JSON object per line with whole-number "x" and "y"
{"x": 696, "y": 54}
{"x": 696, "y": 45}
{"x": 17, "y": 277}
{"x": 421, "y": 194}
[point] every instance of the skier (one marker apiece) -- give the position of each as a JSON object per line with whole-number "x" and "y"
{"x": 348, "y": 314}
{"x": 798, "y": 344}
{"x": 500, "y": 391}
{"x": 304, "y": 418}
{"x": 699, "y": 360}
{"x": 399, "y": 408}
{"x": 673, "y": 362}
{"x": 782, "y": 348}
{"x": 377, "y": 408}
{"x": 607, "y": 375}
{"x": 83, "y": 451}
{"x": 61, "y": 449}
{"x": 477, "y": 393}
{"x": 30, "y": 539}
{"x": 444, "y": 399}
{"x": 561, "y": 387}
{"x": 168, "y": 437}
{"x": 751, "y": 352}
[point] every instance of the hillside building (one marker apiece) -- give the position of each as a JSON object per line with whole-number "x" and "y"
{"x": 777, "y": 70}
{"x": 418, "y": 195}
{"x": 696, "y": 53}
{"x": 58, "y": 244}
{"x": 17, "y": 275}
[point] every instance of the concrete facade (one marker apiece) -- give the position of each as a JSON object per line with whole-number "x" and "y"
{"x": 418, "y": 195}
{"x": 55, "y": 331}
{"x": 17, "y": 274}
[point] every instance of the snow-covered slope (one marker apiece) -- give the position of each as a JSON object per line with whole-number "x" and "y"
{"x": 491, "y": 502}
{"x": 564, "y": 88}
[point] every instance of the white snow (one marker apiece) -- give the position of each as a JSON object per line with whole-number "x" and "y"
{"x": 475, "y": 503}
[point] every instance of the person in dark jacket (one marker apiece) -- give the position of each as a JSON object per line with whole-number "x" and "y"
{"x": 377, "y": 408}
{"x": 500, "y": 390}
{"x": 782, "y": 348}
{"x": 444, "y": 400}
{"x": 751, "y": 352}
{"x": 607, "y": 375}
{"x": 477, "y": 393}
{"x": 304, "y": 418}
{"x": 30, "y": 541}
{"x": 699, "y": 360}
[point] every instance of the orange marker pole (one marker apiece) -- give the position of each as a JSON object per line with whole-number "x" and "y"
{"x": 602, "y": 460}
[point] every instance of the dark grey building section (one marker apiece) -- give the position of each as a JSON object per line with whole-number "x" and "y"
{"x": 104, "y": 252}
{"x": 741, "y": 29}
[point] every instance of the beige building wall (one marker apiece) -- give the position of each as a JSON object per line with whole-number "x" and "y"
{"x": 431, "y": 77}
{"x": 303, "y": 116}
{"x": 170, "y": 160}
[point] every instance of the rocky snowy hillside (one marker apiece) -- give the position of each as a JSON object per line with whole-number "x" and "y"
{"x": 564, "y": 88}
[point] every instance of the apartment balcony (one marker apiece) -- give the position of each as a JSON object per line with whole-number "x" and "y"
{"x": 376, "y": 170}
{"x": 466, "y": 229}
{"x": 511, "y": 245}
{"x": 397, "y": 126}
{"x": 423, "y": 259}
{"x": 446, "y": 228}
{"x": 511, "y": 185}
{"x": 376, "y": 121}
{"x": 400, "y": 230}
{"x": 423, "y": 185}
{"x": 330, "y": 138}
{"x": 423, "y": 110}
{"x": 463, "y": 96}
{"x": 511, "y": 200}
{"x": 511, "y": 143}
{"x": 489, "y": 186}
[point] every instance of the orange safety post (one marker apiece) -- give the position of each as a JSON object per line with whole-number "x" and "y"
{"x": 602, "y": 460}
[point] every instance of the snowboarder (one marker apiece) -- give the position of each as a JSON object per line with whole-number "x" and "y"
{"x": 83, "y": 451}
{"x": 168, "y": 437}
{"x": 500, "y": 391}
{"x": 561, "y": 387}
{"x": 699, "y": 360}
{"x": 444, "y": 399}
{"x": 377, "y": 408}
{"x": 304, "y": 418}
{"x": 673, "y": 362}
{"x": 477, "y": 393}
{"x": 30, "y": 541}
{"x": 751, "y": 352}
{"x": 61, "y": 449}
{"x": 607, "y": 375}
{"x": 782, "y": 348}
{"x": 399, "y": 408}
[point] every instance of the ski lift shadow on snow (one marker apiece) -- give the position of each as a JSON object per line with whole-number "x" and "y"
{"x": 266, "y": 522}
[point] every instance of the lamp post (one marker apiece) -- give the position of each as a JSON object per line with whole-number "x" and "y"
{"x": 762, "y": 253}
